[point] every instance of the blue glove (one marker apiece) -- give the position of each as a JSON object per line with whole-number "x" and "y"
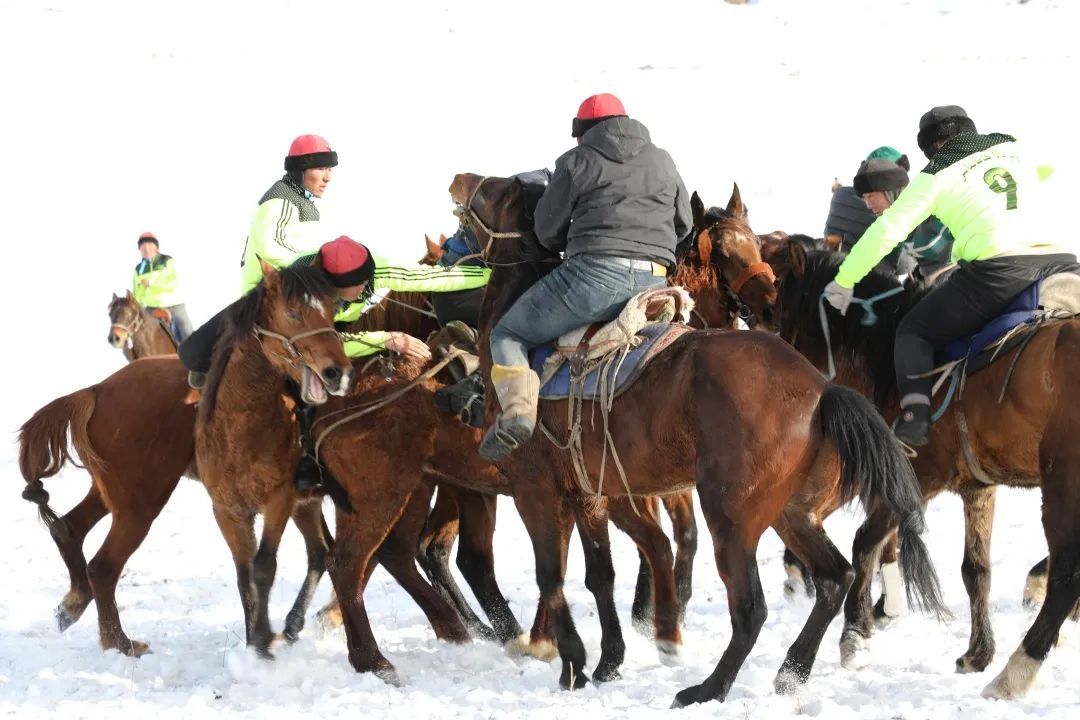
{"x": 839, "y": 297}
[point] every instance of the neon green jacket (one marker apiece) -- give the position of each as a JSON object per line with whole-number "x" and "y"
{"x": 984, "y": 192}
{"x": 285, "y": 227}
{"x": 420, "y": 278}
{"x": 159, "y": 272}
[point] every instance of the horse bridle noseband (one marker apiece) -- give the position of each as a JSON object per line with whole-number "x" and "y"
{"x": 468, "y": 217}
{"x": 295, "y": 358}
{"x": 134, "y": 327}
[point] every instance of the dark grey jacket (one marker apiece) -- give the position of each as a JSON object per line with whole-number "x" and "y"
{"x": 849, "y": 217}
{"x": 615, "y": 194}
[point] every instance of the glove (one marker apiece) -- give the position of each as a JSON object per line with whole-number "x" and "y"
{"x": 839, "y": 297}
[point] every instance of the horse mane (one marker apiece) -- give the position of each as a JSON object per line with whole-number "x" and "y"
{"x": 801, "y": 317}
{"x": 297, "y": 281}
{"x": 394, "y": 313}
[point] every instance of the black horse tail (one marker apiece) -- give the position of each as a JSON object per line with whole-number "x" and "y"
{"x": 43, "y": 445}
{"x": 875, "y": 469}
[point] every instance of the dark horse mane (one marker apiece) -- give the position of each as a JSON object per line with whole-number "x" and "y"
{"x": 800, "y": 317}
{"x": 242, "y": 316}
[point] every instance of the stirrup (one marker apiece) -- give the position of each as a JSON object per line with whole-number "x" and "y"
{"x": 500, "y": 441}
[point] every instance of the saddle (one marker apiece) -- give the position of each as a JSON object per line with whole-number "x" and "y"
{"x": 1055, "y": 298}
{"x": 611, "y": 355}
{"x": 163, "y": 315}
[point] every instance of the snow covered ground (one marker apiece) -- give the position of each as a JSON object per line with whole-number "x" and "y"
{"x": 174, "y": 117}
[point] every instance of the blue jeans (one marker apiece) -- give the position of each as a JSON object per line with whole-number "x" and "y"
{"x": 583, "y": 289}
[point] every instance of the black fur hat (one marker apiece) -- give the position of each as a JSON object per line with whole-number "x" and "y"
{"x": 941, "y": 123}
{"x": 879, "y": 174}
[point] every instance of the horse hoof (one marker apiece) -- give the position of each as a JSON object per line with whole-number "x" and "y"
{"x": 573, "y": 680}
{"x": 482, "y": 632}
{"x": 689, "y": 696}
{"x": 853, "y": 653}
{"x": 542, "y": 650}
{"x": 328, "y": 620}
{"x": 388, "y": 674}
{"x": 789, "y": 681}
{"x": 1015, "y": 679}
{"x": 668, "y": 648}
{"x": 967, "y": 663}
{"x": 1034, "y": 592}
{"x": 133, "y": 648}
{"x": 63, "y": 619}
{"x": 606, "y": 674}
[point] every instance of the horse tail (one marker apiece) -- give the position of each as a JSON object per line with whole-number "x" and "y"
{"x": 43, "y": 445}
{"x": 875, "y": 469}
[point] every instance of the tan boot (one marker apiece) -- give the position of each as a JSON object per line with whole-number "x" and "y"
{"x": 518, "y": 389}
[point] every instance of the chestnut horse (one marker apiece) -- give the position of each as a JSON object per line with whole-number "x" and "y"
{"x": 138, "y": 331}
{"x": 742, "y": 416}
{"x": 1021, "y": 425}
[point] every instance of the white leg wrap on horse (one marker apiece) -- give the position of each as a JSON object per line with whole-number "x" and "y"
{"x": 893, "y": 585}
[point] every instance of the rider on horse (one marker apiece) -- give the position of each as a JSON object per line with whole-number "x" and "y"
{"x": 154, "y": 285}
{"x": 986, "y": 192}
{"x": 615, "y": 206}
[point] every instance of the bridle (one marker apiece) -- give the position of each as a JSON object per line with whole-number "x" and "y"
{"x": 469, "y": 217}
{"x": 295, "y": 357}
{"x": 747, "y": 274}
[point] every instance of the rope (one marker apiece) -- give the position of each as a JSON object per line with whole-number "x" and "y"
{"x": 379, "y": 403}
{"x": 427, "y": 313}
{"x": 869, "y": 319}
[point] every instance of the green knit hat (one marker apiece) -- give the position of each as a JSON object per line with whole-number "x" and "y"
{"x": 888, "y": 152}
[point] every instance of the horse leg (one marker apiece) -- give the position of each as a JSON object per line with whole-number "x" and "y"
{"x": 978, "y": 525}
{"x": 600, "y": 581}
{"x": 832, "y": 576}
{"x": 476, "y": 561}
{"x": 893, "y": 600}
{"x": 737, "y": 563}
{"x": 549, "y": 524}
{"x": 129, "y": 529}
{"x": 798, "y": 576}
{"x": 397, "y": 554}
{"x": 69, "y": 533}
{"x": 1061, "y": 523}
{"x": 276, "y": 514}
{"x": 642, "y": 610}
{"x": 680, "y": 509}
{"x": 655, "y": 547}
{"x": 309, "y": 520}
{"x": 1035, "y": 586}
{"x": 350, "y": 563}
{"x": 239, "y": 534}
{"x": 858, "y": 611}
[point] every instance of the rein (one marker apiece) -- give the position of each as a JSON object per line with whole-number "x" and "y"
{"x": 468, "y": 216}
{"x": 869, "y": 319}
{"x": 373, "y": 405}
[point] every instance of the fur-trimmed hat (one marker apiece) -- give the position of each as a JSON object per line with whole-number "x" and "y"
{"x": 881, "y": 175}
{"x": 941, "y": 123}
{"x": 347, "y": 262}
{"x": 890, "y": 153}
{"x": 309, "y": 151}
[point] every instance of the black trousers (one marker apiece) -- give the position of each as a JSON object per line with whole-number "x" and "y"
{"x": 959, "y": 306}
{"x": 197, "y": 350}
{"x": 463, "y": 305}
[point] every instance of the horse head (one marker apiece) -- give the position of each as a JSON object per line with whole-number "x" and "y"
{"x": 125, "y": 318}
{"x": 434, "y": 250}
{"x": 723, "y": 246}
{"x": 291, "y": 312}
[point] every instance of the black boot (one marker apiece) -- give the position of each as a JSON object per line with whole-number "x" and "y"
{"x": 913, "y": 426}
{"x": 465, "y": 399}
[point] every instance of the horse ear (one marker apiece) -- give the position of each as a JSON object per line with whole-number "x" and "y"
{"x": 435, "y": 250}
{"x": 735, "y": 205}
{"x": 704, "y": 247}
{"x": 270, "y": 273}
{"x": 129, "y": 296}
{"x": 116, "y": 297}
{"x": 797, "y": 258}
{"x": 697, "y": 209}
{"x": 442, "y": 239}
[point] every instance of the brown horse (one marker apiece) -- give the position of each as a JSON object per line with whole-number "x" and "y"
{"x": 136, "y": 330}
{"x": 1015, "y": 425}
{"x": 740, "y": 415}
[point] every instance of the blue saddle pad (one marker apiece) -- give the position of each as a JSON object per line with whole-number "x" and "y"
{"x": 1021, "y": 310}
{"x": 655, "y": 339}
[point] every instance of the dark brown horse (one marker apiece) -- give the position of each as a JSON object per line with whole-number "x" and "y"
{"x": 1024, "y": 439}
{"x": 740, "y": 415}
{"x": 136, "y": 330}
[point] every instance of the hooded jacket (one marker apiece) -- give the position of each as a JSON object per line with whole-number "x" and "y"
{"x": 615, "y": 194}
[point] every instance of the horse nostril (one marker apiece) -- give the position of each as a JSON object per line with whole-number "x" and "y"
{"x": 113, "y": 339}
{"x": 332, "y": 373}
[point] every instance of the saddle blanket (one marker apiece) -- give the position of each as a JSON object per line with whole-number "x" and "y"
{"x": 654, "y": 339}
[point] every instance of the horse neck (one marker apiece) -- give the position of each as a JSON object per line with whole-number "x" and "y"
{"x": 151, "y": 338}
{"x": 249, "y": 392}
